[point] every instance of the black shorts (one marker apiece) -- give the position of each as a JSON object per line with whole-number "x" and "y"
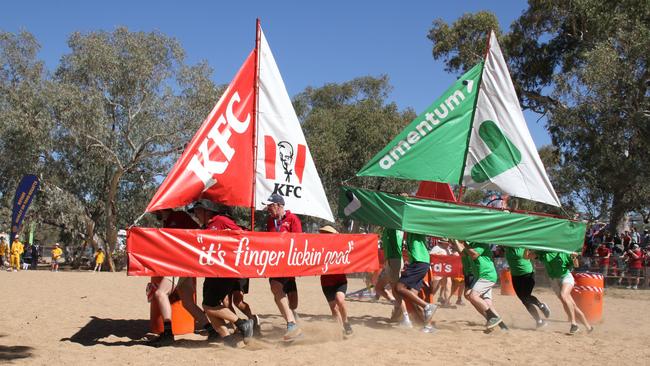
{"x": 241, "y": 284}
{"x": 288, "y": 283}
{"x": 469, "y": 280}
{"x": 414, "y": 274}
{"x": 215, "y": 290}
{"x": 330, "y": 291}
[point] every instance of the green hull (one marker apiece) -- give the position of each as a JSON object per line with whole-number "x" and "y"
{"x": 462, "y": 222}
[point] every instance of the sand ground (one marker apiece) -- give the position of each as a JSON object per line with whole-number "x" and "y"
{"x": 84, "y": 318}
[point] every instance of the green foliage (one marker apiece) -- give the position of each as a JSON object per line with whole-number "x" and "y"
{"x": 347, "y": 124}
{"x": 584, "y": 66}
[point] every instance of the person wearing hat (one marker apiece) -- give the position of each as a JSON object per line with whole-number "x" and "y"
{"x": 334, "y": 288}
{"x": 16, "y": 251}
{"x": 284, "y": 289}
{"x": 56, "y": 254}
{"x": 217, "y": 289}
{"x": 163, "y": 287}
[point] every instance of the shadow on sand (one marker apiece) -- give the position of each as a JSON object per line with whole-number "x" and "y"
{"x": 97, "y": 329}
{"x": 10, "y": 353}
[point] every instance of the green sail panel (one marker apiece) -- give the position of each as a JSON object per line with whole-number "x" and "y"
{"x": 432, "y": 147}
{"x": 462, "y": 222}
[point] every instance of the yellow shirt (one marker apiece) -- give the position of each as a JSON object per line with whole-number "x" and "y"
{"x": 56, "y": 253}
{"x": 17, "y": 248}
{"x": 99, "y": 257}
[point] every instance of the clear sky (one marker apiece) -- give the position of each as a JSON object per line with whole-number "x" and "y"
{"x": 313, "y": 42}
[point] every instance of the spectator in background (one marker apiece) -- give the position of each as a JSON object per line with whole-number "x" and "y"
{"x": 99, "y": 260}
{"x": 17, "y": 250}
{"x": 4, "y": 251}
{"x": 36, "y": 254}
{"x": 604, "y": 253}
{"x": 646, "y": 260}
{"x": 26, "y": 260}
{"x": 636, "y": 237}
{"x": 56, "y": 256}
{"x": 627, "y": 240}
{"x": 645, "y": 239}
{"x": 634, "y": 259}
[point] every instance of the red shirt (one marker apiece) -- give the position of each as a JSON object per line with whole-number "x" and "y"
{"x": 221, "y": 222}
{"x": 333, "y": 280}
{"x": 180, "y": 220}
{"x": 603, "y": 252}
{"x": 289, "y": 223}
{"x": 638, "y": 262}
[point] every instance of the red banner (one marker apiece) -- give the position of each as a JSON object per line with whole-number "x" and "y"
{"x": 446, "y": 265}
{"x": 218, "y": 162}
{"x": 246, "y": 254}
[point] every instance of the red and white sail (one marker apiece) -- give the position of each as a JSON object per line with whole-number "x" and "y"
{"x": 219, "y": 162}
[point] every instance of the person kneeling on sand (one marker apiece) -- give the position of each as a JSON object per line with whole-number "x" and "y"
{"x": 216, "y": 290}
{"x": 334, "y": 288}
{"x": 559, "y": 266}
{"x": 163, "y": 287}
{"x": 411, "y": 279}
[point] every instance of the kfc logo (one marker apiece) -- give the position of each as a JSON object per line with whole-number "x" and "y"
{"x": 291, "y": 163}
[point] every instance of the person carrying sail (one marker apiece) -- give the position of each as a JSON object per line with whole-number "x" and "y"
{"x": 284, "y": 289}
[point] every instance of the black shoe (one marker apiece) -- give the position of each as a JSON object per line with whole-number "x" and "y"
{"x": 545, "y": 310}
{"x": 246, "y": 328}
{"x": 257, "y": 329}
{"x": 230, "y": 341}
{"x": 163, "y": 340}
{"x": 574, "y": 329}
{"x": 213, "y": 335}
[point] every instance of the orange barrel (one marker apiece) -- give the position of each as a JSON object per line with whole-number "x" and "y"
{"x": 588, "y": 294}
{"x": 182, "y": 320}
{"x": 506, "y": 283}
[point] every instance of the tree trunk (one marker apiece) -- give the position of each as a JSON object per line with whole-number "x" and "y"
{"x": 617, "y": 213}
{"x": 111, "y": 217}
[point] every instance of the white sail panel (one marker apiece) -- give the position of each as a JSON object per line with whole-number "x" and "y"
{"x": 502, "y": 155}
{"x": 284, "y": 163}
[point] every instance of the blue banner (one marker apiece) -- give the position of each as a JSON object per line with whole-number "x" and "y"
{"x": 24, "y": 193}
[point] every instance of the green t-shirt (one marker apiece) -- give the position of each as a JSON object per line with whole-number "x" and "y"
{"x": 519, "y": 265}
{"x": 417, "y": 249}
{"x": 467, "y": 264}
{"x": 483, "y": 265}
{"x": 391, "y": 243}
{"x": 557, "y": 264}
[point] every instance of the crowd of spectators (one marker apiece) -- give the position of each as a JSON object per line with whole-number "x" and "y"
{"x": 623, "y": 258}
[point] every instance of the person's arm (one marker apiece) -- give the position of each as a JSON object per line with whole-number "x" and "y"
{"x": 574, "y": 258}
{"x": 529, "y": 254}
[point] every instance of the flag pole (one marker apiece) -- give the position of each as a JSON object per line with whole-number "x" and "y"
{"x": 471, "y": 122}
{"x": 258, "y": 34}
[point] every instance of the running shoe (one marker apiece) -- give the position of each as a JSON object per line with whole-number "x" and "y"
{"x": 429, "y": 310}
{"x": 406, "y": 323}
{"x": 246, "y": 328}
{"x": 574, "y": 329}
{"x": 163, "y": 340}
{"x": 347, "y": 329}
{"x": 293, "y": 332}
{"x": 493, "y": 322}
{"x": 541, "y": 323}
{"x": 545, "y": 310}
{"x": 429, "y": 329}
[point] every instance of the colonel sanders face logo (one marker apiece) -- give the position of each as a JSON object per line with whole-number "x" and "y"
{"x": 286, "y": 157}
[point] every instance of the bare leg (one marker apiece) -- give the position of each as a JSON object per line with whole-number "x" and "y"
{"x": 238, "y": 301}
{"x": 165, "y": 288}
{"x": 341, "y": 306}
{"x": 186, "y": 293}
{"x": 282, "y": 301}
{"x": 293, "y": 300}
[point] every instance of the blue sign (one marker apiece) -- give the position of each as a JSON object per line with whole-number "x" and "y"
{"x": 24, "y": 193}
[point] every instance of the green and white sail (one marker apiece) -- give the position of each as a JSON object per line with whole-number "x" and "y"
{"x": 475, "y": 135}
{"x": 502, "y": 155}
{"x": 433, "y": 146}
